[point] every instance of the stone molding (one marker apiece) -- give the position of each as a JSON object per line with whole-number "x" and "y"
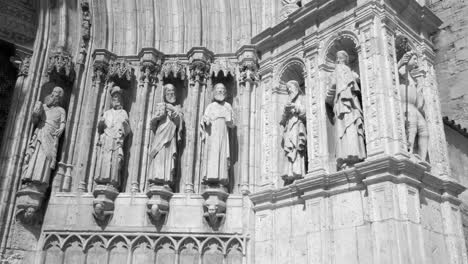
{"x": 385, "y": 169}
{"x": 152, "y": 241}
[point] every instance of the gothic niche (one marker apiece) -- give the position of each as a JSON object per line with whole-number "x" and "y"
{"x": 48, "y": 119}
{"x": 113, "y": 129}
{"x": 218, "y": 147}
{"x": 412, "y": 99}
{"x": 293, "y": 122}
{"x": 167, "y": 126}
{"x": 344, "y": 104}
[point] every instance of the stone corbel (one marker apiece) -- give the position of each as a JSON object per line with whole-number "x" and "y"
{"x": 158, "y": 204}
{"x": 24, "y": 66}
{"x": 200, "y": 63}
{"x": 248, "y": 63}
{"x": 214, "y": 207}
{"x": 103, "y": 204}
{"x": 60, "y": 67}
{"x": 150, "y": 64}
{"x": 29, "y": 202}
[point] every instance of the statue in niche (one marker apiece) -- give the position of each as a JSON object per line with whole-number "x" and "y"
{"x": 294, "y": 134}
{"x": 412, "y": 100}
{"x": 216, "y": 121}
{"x": 167, "y": 126}
{"x": 113, "y": 127}
{"x": 342, "y": 95}
{"x": 49, "y": 120}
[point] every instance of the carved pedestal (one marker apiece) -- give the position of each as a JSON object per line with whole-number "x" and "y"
{"x": 29, "y": 201}
{"x": 214, "y": 207}
{"x": 158, "y": 203}
{"x": 103, "y": 204}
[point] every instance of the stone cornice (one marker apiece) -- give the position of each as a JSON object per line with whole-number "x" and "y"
{"x": 386, "y": 169}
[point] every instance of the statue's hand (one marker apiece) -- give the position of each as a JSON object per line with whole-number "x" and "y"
{"x": 37, "y": 107}
{"x": 58, "y": 132}
{"x": 206, "y": 120}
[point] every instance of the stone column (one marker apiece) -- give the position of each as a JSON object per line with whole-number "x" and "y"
{"x": 317, "y": 136}
{"x": 150, "y": 66}
{"x": 374, "y": 87}
{"x": 199, "y": 59}
{"x": 438, "y": 154}
{"x": 248, "y": 78}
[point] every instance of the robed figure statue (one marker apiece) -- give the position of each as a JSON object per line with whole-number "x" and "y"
{"x": 294, "y": 134}
{"x": 49, "y": 120}
{"x": 215, "y": 124}
{"x": 342, "y": 95}
{"x": 113, "y": 127}
{"x": 167, "y": 125}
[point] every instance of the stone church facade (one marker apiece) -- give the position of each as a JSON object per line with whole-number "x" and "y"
{"x": 236, "y": 131}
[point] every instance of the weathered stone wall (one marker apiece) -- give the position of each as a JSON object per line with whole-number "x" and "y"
{"x": 458, "y": 155}
{"x": 452, "y": 57}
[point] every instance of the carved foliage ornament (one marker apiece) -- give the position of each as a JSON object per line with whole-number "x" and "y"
{"x": 199, "y": 70}
{"x": 100, "y": 69}
{"x": 248, "y": 71}
{"x": 174, "y": 67}
{"x": 225, "y": 66}
{"x": 61, "y": 62}
{"x": 120, "y": 69}
{"x": 149, "y": 70}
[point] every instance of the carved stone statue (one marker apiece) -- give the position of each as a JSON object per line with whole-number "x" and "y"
{"x": 49, "y": 120}
{"x": 294, "y": 134}
{"x": 167, "y": 126}
{"x": 113, "y": 127}
{"x": 216, "y": 121}
{"x": 343, "y": 94}
{"x": 412, "y": 100}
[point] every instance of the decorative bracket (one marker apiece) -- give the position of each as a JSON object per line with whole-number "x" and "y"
{"x": 214, "y": 207}
{"x": 103, "y": 204}
{"x": 29, "y": 201}
{"x": 158, "y": 203}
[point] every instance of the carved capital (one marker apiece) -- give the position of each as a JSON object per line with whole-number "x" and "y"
{"x": 150, "y": 63}
{"x": 248, "y": 63}
{"x": 24, "y": 67}
{"x": 61, "y": 64}
{"x": 200, "y": 61}
{"x": 100, "y": 69}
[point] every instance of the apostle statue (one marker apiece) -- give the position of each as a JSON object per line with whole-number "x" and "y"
{"x": 113, "y": 127}
{"x": 167, "y": 125}
{"x": 49, "y": 120}
{"x": 215, "y": 124}
{"x": 412, "y": 101}
{"x": 342, "y": 95}
{"x": 294, "y": 134}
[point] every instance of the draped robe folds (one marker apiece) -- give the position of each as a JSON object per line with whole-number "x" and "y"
{"x": 163, "y": 153}
{"x": 110, "y": 151}
{"x": 216, "y": 143}
{"x": 349, "y": 124}
{"x": 294, "y": 141}
{"x": 43, "y": 145}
